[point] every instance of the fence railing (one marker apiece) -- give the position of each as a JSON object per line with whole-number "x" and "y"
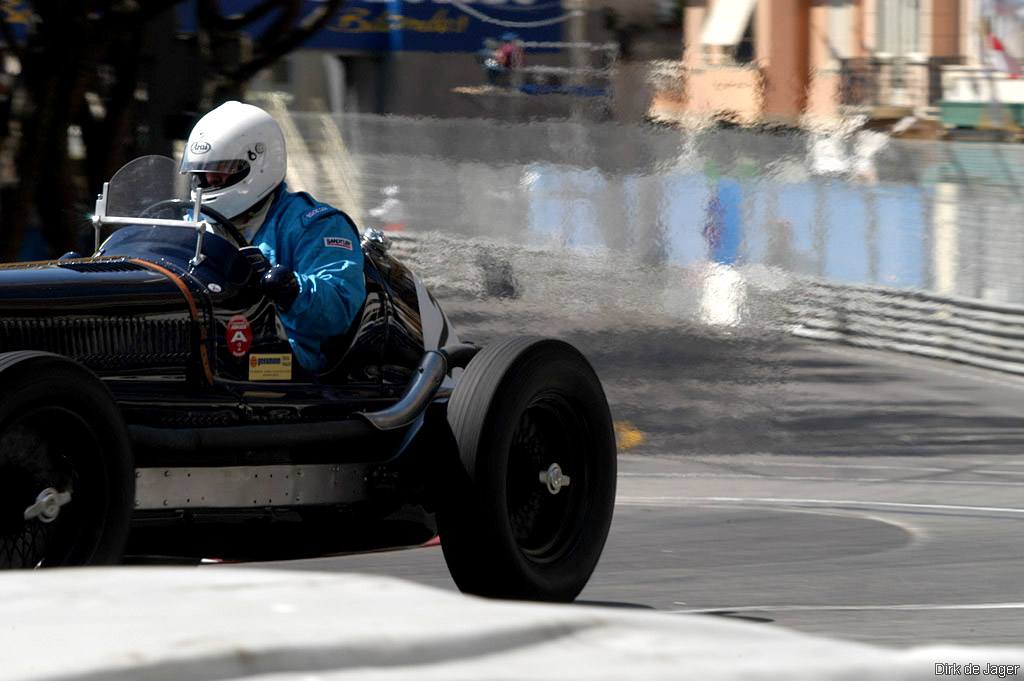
{"x": 892, "y": 81}
{"x": 951, "y": 328}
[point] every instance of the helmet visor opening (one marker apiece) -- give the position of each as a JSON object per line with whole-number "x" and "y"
{"x": 217, "y": 174}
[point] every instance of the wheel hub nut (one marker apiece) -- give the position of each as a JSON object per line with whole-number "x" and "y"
{"x": 554, "y": 478}
{"x": 47, "y": 505}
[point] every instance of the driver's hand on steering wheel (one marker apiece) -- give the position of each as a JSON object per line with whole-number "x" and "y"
{"x": 281, "y": 286}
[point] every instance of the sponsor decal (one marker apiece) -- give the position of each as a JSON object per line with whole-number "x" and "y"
{"x": 200, "y": 147}
{"x": 215, "y": 288}
{"x": 270, "y": 367}
{"x": 338, "y": 242}
{"x": 316, "y": 211}
{"x": 239, "y": 335}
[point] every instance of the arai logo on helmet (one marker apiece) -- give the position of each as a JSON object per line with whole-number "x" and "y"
{"x": 200, "y": 147}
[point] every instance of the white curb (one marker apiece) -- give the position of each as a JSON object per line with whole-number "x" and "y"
{"x": 183, "y": 624}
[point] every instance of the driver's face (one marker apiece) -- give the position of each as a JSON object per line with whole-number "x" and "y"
{"x": 220, "y": 175}
{"x": 216, "y": 179}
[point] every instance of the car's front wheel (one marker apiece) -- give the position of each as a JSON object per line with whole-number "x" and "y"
{"x": 527, "y": 507}
{"x": 66, "y": 473}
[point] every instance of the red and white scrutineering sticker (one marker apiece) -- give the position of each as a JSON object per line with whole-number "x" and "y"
{"x": 338, "y": 242}
{"x": 239, "y": 335}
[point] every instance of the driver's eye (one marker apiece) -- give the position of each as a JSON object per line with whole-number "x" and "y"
{"x": 217, "y": 180}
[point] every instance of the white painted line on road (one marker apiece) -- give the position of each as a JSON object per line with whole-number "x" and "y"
{"x": 963, "y": 438}
{"x": 674, "y": 500}
{"x": 882, "y": 467}
{"x": 819, "y": 478}
{"x": 818, "y": 608}
{"x": 993, "y": 463}
{"x": 926, "y": 469}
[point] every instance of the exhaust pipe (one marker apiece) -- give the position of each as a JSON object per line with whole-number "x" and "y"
{"x": 422, "y": 387}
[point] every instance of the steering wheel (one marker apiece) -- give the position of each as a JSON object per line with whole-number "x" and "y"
{"x": 229, "y": 227}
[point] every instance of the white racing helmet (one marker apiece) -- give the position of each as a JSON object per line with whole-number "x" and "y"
{"x": 236, "y": 154}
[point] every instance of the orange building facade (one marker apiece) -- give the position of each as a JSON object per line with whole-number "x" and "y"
{"x": 800, "y": 62}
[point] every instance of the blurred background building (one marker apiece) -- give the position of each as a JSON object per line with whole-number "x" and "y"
{"x": 923, "y": 66}
{"x": 429, "y": 58}
{"x": 393, "y": 113}
{"x": 908, "y": 67}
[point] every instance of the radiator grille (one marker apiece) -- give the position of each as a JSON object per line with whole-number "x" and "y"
{"x": 107, "y": 343}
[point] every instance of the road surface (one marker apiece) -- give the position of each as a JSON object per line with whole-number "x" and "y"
{"x": 845, "y": 492}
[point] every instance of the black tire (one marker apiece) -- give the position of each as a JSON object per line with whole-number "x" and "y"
{"x": 522, "y": 405}
{"x": 60, "y": 429}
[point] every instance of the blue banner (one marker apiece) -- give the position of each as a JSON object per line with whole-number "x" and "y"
{"x": 16, "y": 14}
{"x": 414, "y": 25}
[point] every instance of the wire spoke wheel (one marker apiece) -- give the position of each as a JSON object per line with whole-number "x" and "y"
{"x": 525, "y": 507}
{"x": 543, "y": 520}
{"x": 36, "y": 456}
{"x": 24, "y": 467}
{"x": 66, "y": 478}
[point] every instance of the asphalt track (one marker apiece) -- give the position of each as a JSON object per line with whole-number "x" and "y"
{"x": 844, "y": 492}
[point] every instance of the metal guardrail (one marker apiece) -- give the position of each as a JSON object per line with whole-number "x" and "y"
{"x": 892, "y": 81}
{"x": 950, "y": 328}
{"x": 953, "y": 328}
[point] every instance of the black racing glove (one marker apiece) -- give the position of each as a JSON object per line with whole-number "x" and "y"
{"x": 281, "y": 286}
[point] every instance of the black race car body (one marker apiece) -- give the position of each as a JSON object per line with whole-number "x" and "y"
{"x": 150, "y": 403}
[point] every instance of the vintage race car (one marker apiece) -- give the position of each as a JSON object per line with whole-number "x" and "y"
{"x": 150, "y": 405}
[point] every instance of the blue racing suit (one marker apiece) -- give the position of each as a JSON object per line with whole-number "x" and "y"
{"x": 320, "y": 244}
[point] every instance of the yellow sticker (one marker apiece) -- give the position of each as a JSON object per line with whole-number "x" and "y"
{"x": 270, "y": 367}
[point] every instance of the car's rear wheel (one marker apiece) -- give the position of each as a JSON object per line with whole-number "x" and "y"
{"x": 527, "y": 507}
{"x": 66, "y": 473}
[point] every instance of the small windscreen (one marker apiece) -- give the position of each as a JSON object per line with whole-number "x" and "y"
{"x": 143, "y": 183}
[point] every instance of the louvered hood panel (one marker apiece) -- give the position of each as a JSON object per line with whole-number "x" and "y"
{"x": 110, "y": 314}
{"x": 101, "y": 286}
